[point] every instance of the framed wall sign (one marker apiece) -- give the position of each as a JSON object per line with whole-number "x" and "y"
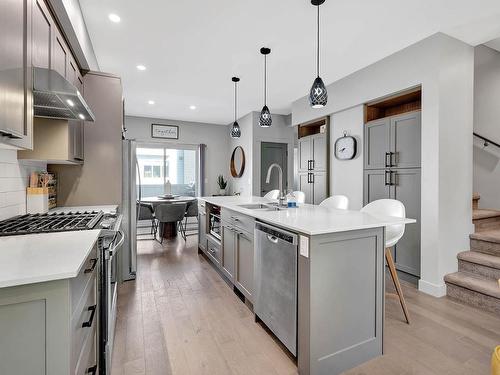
{"x": 164, "y": 131}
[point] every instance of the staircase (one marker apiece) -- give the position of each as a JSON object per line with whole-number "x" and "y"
{"x": 477, "y": 281}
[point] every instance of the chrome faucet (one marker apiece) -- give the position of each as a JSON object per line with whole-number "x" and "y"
{"x": 281, "y": 197}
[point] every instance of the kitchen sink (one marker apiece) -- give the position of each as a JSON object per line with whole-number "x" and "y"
{"x": 261, "y": 206}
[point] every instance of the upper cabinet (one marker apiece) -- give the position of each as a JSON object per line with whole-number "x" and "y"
{"x": 16, "y": 114}
{"x": 43, "y": 30}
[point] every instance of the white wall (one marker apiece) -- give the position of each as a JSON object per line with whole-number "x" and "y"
{"x": 243, "y": 184}
{"x": 443, "y": 66}
{"x": 215, "y": 137}
{"x": 14, "y": 179}
{"x": 486, "y": 123}
{"x": 346, "y": 176}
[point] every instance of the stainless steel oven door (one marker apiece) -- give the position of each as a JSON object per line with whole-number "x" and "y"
{"x": 214, "y": 226}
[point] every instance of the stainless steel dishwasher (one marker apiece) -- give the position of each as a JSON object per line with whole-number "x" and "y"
{"x": 276, "y": 282}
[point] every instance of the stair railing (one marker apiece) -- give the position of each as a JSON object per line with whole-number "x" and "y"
{"x": 487, "y": 141}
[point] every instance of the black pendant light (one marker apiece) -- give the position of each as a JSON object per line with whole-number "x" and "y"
{"x": 265, "y": 119}
{"x": 318, "y": 96}
{"x": 235, "y": 129}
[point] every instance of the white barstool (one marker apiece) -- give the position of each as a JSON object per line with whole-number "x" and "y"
{"x": 339, "y": 202}
{"x": 273, "y": 194}
{"x": 393, "y": 233}
{"x": 300, "y": 196}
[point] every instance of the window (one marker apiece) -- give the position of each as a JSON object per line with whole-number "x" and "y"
{"x": 159, "y": 165}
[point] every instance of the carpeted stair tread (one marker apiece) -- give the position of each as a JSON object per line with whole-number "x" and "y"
{"x": 479, "y": 214}
{"x": 488, "y": 236}
{"x": 476, "y": 284}
{"x": 480, "y": 258}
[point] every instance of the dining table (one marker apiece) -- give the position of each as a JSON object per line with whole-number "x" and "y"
{"x": 169, "y": 229}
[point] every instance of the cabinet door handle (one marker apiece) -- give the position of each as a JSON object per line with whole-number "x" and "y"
{"x": 387, "y": 159}
{"x": 308, "y": 178}
{"x": 92, "y": 370}
{"x": 392, "y": 161}
{"x": 10, "y": 134}
{"x": 387, "y": 180}
{"x": 312, "y": 164}
{"x": 312, "y": 178}
{"x": 89, "y": 322}
{"x": 394, "y": 181}
{"x": 93, "y": 262}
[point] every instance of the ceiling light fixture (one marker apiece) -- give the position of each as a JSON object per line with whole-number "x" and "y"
{"x": 192, "y": 107}
{"x": 318, "y": 96}
{"x": 265, "y": 119}
{"x": 151, "y": 102}
{"x": 70, "y": 102}
{"x": 235, "y": 129}
{"x": 141, "y": 67}
{"x": 114, "y": 18}
{"x": 81, "y": 116}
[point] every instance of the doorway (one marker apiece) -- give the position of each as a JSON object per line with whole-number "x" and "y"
{"x": 270, "y": 153}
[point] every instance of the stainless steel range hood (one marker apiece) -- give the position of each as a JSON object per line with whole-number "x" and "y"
{"x": 55, "y": 97}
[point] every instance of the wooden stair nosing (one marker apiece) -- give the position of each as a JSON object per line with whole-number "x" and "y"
{"x": 482, "y": 259}
{"x": 481, "y": 214}
{"x": 486, "y": 236}
{"x": 468, "y": 281}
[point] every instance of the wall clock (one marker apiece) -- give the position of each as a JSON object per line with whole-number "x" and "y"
{"x": 345, "y": 147}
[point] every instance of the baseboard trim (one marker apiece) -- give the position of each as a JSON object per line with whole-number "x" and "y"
{"x": 436, "y": 290}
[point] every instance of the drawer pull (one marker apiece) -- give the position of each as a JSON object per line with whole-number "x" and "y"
{"x": 93, "y": 261}
{"x": 91, "y": 320}
{"x": 92, "y": 370}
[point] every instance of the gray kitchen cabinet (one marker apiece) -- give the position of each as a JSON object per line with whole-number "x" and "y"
{"x": 406, "y": 185}
{"x": 391, "y": 144}
{"x": 76, "y": 128}
{"x": 305, "y": 186}
{"x": 43, "y": 29}
{"x": 319, "y": 187}
{"x": 313, "y": 153}
{"x": 202, "y": 226}
{"x": 60, "y": 54}
{"x": 244, "y": 276}
{"x": 227, "y": 261}
{"x": 304, "y": 154}
{"x": 42, "y": 325}
{"x": 406, "y": 140}
{"x": 377, "y": 143}
{"x": 15, "y": 73}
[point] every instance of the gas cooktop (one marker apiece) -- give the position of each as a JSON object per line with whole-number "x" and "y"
{"x": 52, "y": 222}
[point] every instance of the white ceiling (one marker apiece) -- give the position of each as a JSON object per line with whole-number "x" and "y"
{"x": 192, "y": 48}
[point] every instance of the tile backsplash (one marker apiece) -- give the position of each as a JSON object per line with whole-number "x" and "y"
{"x": 14, "y": 178}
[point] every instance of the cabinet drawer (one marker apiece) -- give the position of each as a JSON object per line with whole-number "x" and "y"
{"x": 87, "y": 362}
{"x": 79, "y": 283}
{"x": 214, "y": 251}
{"x": 238, "y": 220}
{"x": 85, "y": 321}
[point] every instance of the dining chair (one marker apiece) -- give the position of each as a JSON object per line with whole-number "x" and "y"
{"x": 170, "y": 213}
{"x": 191, "y": 211}
{"x": 393, "y": 233}
{"x": 339, "y": 202}
{"x": 146, "y": 212}
{"x": 273, "y": 194}
{"x": 300, "y": 196}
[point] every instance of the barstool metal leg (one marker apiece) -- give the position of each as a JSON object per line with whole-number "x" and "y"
{"x": 395, "y": 280}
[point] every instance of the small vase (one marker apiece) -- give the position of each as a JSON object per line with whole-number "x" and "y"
{"x": 222, "y": 191}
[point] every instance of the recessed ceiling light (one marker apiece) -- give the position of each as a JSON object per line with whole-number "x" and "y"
{"x": 151, "y": 102}
{"x": 193, "y": 107}
{"x": 70, "y": 102}
{"x": 81, "y": 116}
{"x": 114, "y": 18}
{"x": 141, "y": 67}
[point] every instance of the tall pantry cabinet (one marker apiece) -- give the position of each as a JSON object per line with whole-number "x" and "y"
{"x": 392, "y": 169}
{"x": 312, "y": 161}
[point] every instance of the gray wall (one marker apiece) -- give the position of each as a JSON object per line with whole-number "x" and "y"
{"x": 243, "y": 184}
{"x": 486, "y": 119}
{"x": 215, "y": 137}
{"x": 444, "y": 67}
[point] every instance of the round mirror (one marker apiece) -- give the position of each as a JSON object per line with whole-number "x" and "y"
{"x": 237, "y": 162}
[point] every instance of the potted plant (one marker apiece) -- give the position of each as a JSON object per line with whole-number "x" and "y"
{"x": 222, "y": 184}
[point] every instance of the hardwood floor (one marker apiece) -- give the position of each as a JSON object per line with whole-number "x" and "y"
{"x": 179, "y": 317}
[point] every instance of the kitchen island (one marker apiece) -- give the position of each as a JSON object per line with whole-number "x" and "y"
{"x": 339, "y": 268}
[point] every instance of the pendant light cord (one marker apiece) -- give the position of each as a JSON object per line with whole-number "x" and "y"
{"x": 235, "y": 101}
{"x": 265, "y": 79}
{"x": 317, "y": 52}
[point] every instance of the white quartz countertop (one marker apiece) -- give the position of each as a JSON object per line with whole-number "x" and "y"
{"x": 35, "y": 258}
{"x": 308, "y": 219}
{"x": 104, "y": 208}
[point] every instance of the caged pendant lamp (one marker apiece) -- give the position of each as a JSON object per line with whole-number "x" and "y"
{"x": 235, "y": 129}
{"x": 265, "y": 119}
{"x": 318, "y": 96}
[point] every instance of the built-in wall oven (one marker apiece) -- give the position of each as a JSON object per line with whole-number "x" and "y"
{"x": 214, "y": 222}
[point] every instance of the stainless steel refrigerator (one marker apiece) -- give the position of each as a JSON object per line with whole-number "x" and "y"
{"x": 131, "y": 182}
